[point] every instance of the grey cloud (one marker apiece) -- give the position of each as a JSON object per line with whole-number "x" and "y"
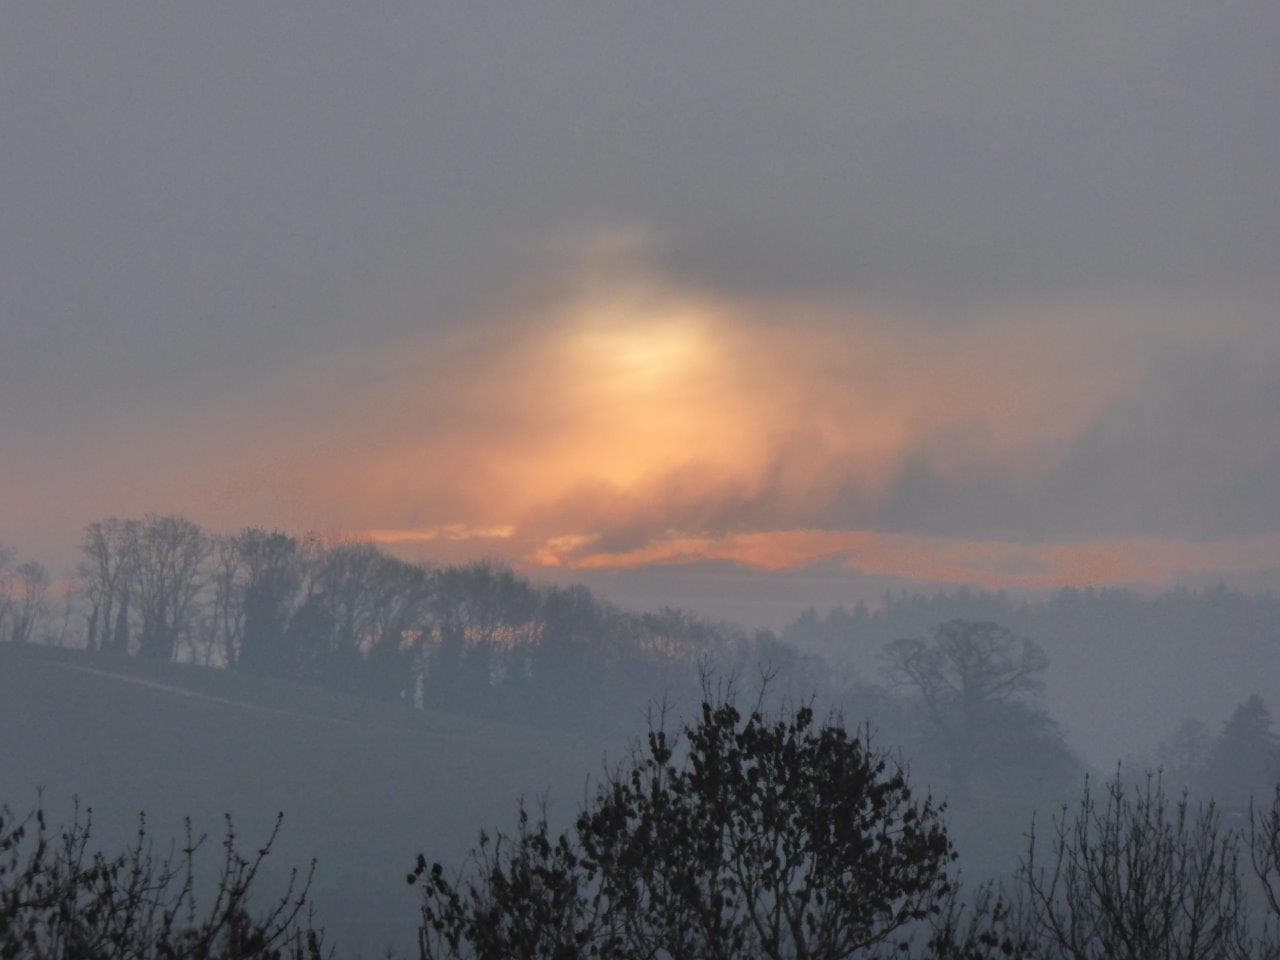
{"x": 1190, "y": 449}
{"x": 199, "y": 196}
{"x": 1192, "y": 452}
{"x": 1196, "y": 454}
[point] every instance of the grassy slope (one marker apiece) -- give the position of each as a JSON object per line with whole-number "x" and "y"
{"x": 364, "y": 787}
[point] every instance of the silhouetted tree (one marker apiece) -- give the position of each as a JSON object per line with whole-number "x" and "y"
{"x": 1264, "y": 857}
{"x": 966, "y": 667}
{"x": 1244, "y": 760}
{"x": 1133, "y": 876}
{"x": 106, "y": 572}
{"x": 399, "y": 625}
{"x": 751, "y": 837}
{"x": 31, "y": 605}
{"x": 443, "y": 678}
{"x": 222, "y": 625}
{"x": 972, "y": 679}
{"x": 557, "y": 668}
{"x": 484, "y": 620}
{"x": 273, "y": 572}
{"x": 166, "y": 568}
{"x": 62, "y": 900}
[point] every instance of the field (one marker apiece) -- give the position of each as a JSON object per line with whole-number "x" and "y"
{"x": 364, "y": 787}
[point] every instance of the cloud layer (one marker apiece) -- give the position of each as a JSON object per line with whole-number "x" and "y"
{"x": 991, "y": 282}
{"x": 620, "y": 418}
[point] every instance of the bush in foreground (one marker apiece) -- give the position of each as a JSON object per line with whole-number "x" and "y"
{"x": 62, "y": 900}
{"x": 747, "y": 836}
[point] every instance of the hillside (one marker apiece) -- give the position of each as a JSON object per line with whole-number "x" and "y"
{"x": 363, "y": 786}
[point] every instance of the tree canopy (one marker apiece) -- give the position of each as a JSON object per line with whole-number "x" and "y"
{"x": 745, "y": 835}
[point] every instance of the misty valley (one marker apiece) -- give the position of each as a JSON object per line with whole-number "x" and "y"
{"x": 305, "y": 724}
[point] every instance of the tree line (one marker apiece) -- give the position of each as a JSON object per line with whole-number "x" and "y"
{"x": 964, "y": 697}
{"x": 350, "y": 617}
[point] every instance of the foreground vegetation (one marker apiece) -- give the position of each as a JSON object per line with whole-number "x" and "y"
{"x": 739, "y": 834}
{"x": 61, "y": 899}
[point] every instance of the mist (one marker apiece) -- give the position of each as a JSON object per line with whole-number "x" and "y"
{"x": 407, "y": 412}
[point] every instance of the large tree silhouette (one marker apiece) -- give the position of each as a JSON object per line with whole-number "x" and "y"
{"x": 976, "y": 682}
{"x": 748, "y": 836}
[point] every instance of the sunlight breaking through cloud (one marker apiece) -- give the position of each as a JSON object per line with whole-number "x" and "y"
{"x": 624, "y": 419}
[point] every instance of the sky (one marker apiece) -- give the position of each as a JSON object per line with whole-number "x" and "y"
{"x": 750, "y": 305}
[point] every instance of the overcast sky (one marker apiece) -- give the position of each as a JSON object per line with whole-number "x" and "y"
{"x": 935, "y": 292}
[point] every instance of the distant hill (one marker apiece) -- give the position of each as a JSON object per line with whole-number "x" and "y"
{"x": 364, "y": 786}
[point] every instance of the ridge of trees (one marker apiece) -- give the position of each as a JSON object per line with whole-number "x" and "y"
{"x": 349, "y": 617}
{"x": 963, "y": 698}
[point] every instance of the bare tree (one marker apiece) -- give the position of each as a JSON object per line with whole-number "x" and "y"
{"x": 1264, "y": 857}
{"x": 168, "y": 555}
{"x": 61, "y": 899}
{"x": 966, "y": 666}
{"x": 31, "y": 605}
{"x": 975, "y": 681}
{"x": 274, "y": 568}
{"x": 70, "y": 606}
{"x": 400, "y": 621}
{"x": 223, "y": 625}
{"x": 1132, "y": 876}
{"x": 106, "y": 572}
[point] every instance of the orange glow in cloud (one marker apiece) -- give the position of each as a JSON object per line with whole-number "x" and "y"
{"x": 990, "y": 563}
{"x": 646, "y": 392}
{"x": 452, "y": 531}
{"x": 625, "y": 420}
{"x": 635, "y": 389}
